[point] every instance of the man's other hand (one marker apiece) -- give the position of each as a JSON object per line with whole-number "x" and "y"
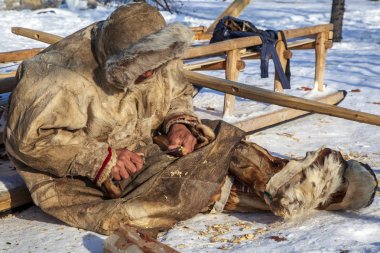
{"x": 180, "y": 135}
{"x": 127, "y": 164}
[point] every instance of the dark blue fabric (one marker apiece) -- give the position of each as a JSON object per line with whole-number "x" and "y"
{"x": 232, "y": 28}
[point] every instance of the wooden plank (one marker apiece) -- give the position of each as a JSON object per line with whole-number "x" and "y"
{"x": 13, "y": 191}
{"x": 8, "y": 74}
{"x": 14, "y": 198}
{"x": 19, "y": 55}
{"x": 284, "y": 115}
{"x": 198, "y": 28}
{"x": 320, "y": 60}
{"x": 193, "y": 52}
{"x": 280, "y": 49}
{"x": 128, "y": 239}
{"x": 217, "y": 65}
{"x": 266, "y": 96}
{"x": 227, "y": 45}
{"x": 234, "y": 10}
{"x": 36, "y": 35}
{"x": 232, "y": 73}
{"x": 202, "y": 36}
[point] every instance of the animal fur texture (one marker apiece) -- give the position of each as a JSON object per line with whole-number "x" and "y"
{"x": 147, "y": 54}
{"x": 302, "y": 186}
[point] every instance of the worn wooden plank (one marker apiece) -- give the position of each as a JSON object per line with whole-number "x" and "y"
{"x": 223, "y": 46}
{"x": 283, "y": 115}
{"x": 13, "y": 191}
{"x": 266, "y": 96}
{"x": 128, "y": 239}
{"x": 19, "y": 55}
{"x": 36, "y": 35}
{"x": 232, "y": 73}
{"x": 280, "y": 48}
{"x": 320, "y": 60}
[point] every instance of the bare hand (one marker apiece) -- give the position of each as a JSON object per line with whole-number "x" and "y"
{"x": 127, "y": 164}
{"x": 180, "y": 135}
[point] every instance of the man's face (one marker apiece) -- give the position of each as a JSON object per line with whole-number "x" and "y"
{"x": 144, "y": 76}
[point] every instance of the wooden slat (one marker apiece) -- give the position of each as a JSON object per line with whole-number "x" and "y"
{"x": 320, "y": 60}
{"x": 266, "y": 96}
{"x": 128, "y": 239}
{"x": 13, "y": 191}
{"x": 232, "y": 73}
{"x": 213, "y": 64}
{"x": 36, "y": 35}
{"x": 193, "y": 52}
{"x": 8, "y": 74}
{"x": 280, "y": 49}
{"x": 284, "y": 115}
{"x": 234, "y": 10}
{"x": 228, "y": 45}
{"x": 14, "y": 198}
{"x": 19, "y": 55}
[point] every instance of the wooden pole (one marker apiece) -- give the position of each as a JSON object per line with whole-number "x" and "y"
{"x": 128, "y": 239}
{"x": 320, "y": 60}
{"x": 227, "y": 45}
{"x": 232, "y": 73}
{"x": 36, "y": 35}
{"x": 280, "y": 48}
{"x": 216, "y": 65}
{"x": 19, "y": 55}
{"x": 215, "y": 48}
{"x": 262, "y": 95}
{"x": 284, "y": 114}
{"x": 234, "y": 10}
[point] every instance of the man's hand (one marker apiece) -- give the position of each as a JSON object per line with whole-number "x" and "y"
{"x": 180, "y": 135}
{"x": 127, "y": 164}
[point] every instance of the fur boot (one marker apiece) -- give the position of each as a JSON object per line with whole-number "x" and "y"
{"x": 322, "y": 180}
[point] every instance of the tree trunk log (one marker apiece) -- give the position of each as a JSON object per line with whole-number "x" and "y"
{"x": 337, "y": 13}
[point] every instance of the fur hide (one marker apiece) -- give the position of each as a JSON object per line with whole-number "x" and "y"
{"x": 147, "y": 54}
{"x": 302, "y": 186}
{"x": 362, "y": 185}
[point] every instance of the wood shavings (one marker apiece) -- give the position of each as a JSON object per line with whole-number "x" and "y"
{"x": 181, "y": 246}
{"x": 242, "y": 238}
{"x": 218, "y": 239}
{"x": 176, "y": 173}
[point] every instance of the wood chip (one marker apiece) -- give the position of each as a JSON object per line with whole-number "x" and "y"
{"x": 277, "y": 238}
{"x": 304, "y": 88}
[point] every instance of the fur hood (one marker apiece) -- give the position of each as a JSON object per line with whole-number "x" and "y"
{"x": 121, "y": 70}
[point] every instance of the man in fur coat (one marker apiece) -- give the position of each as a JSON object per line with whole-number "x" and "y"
{"x": 83, "y": 117}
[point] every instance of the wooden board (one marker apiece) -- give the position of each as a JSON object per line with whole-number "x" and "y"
{"x": 283, "y": 115}
{"x": 13, "y": 191}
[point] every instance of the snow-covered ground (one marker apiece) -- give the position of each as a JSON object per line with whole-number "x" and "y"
{"x": 353, "y": 64}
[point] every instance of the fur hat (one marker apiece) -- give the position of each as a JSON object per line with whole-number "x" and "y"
{"x": 135, "y": 39}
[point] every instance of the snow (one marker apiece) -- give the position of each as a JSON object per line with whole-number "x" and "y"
{"x": 352, "y": 64}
